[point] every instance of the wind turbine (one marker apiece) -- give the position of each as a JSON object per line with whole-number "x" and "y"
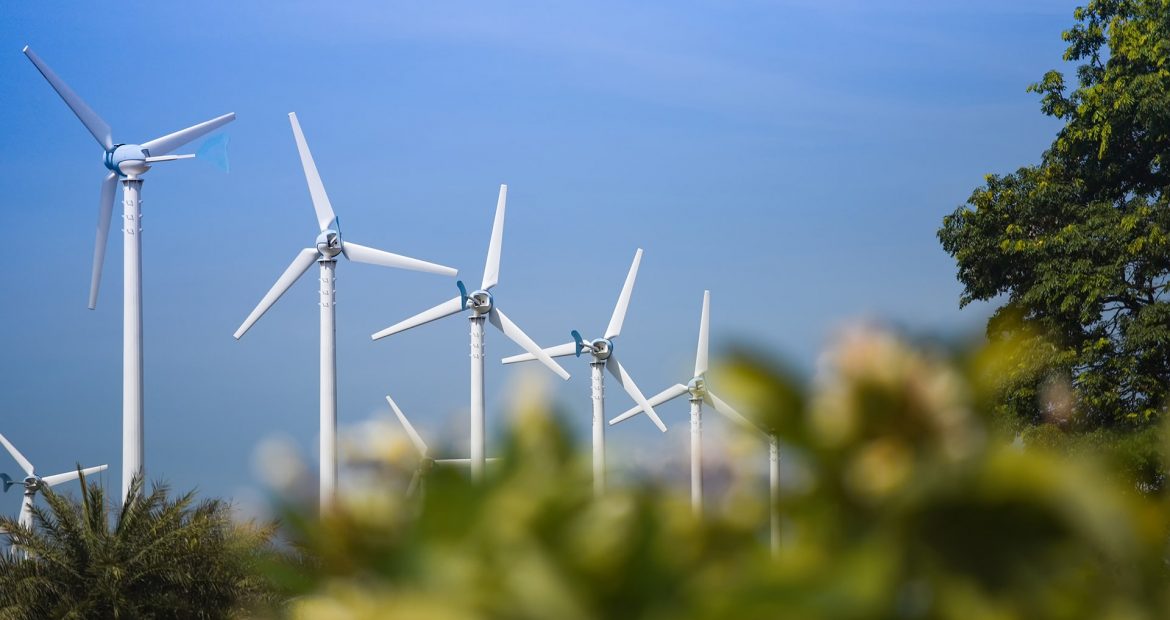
{"x": 34, "y": 483}
{"x": 482, "y": 305}
{"x": 699, "y": 393}
{"x": 127, "y": 163}
{"x": 426, "y": 462}
{"x": 328, "y": 246}
{"x": 601, "y": 350}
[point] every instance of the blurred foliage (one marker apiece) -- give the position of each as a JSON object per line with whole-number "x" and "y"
{"x": 156, "y": 557}
{"x": 902, "y": 499}
{"x": 1078, "y": 246}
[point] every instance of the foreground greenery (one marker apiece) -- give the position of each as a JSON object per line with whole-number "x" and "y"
{"x": 1078, "y": 246}
{"x": 902, "y": 499}
{"x": 155, "y": 557}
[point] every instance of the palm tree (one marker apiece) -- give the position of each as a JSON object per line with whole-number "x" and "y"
{"x": 158, "y": 557}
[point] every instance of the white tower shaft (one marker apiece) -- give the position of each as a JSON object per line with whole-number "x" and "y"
{"x": 774, "y": 492}
{"x": 598, "y": 391}
{"x": 477, "y": 398}
{"x": 697, "y": 456}
{"x": 26, "y": 508}
{"x": 328, "y": 387}
{"x": 132, "y": 444}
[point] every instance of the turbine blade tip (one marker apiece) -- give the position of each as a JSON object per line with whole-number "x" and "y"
{"x": 24, "y": 50}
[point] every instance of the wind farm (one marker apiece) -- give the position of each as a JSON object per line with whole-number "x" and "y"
{"x": 906, "y": 266}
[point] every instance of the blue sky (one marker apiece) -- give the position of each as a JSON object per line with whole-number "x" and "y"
{"x": 796, "y": 158}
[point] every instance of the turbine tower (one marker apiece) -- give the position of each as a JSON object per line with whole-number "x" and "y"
{"x": 426, "y": 462}
{"x": 699, "y": 393}
{"x": 126, "y": 163}
{"x": 482, "y": 305}
{"x": 34, "y": 483}
{"x": 328, "y": 246}
{"x": 601, "y": 351}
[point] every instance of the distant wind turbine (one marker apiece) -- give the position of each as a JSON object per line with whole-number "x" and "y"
{"x": 425, "y": 461}
{"x": 482, "y": 305}
{"x": 328, "y": 246}
{"x": 699, "y": 393}
{"x": 601, "y": 352}
{"x": 33, "y": 483}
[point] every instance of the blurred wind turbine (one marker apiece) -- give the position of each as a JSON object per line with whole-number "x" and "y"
{"x": 601, "y": 350}
{"x": 482, "y": 305}
{"x": 426, "y": 462}
{"x": 125, "y": 162}
{"x": 699, "y": 393}
{"x": 329, "y": 244}
{"x": 33, "y": 483}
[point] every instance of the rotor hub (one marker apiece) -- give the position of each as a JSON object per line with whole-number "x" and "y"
{"x": 127, "y": 160}
{"x": 32, "y": 484}
{"x": 480, "y": 302}
{"x": 601, "y": 348}
{"x": 697, "y": 387}
{"x": 329, "y": 243}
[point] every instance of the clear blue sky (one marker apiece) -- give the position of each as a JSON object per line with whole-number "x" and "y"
{"x": 796, "y": 158}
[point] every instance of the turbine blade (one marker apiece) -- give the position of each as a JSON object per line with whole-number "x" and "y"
{"x": 623, "y": 302}
{"x": 561, "y": 350}
{"x": 666, "y": 395}
{"x": 415, "y": 438}
{"x": 71, "y": 475}
{"x": 363, "y": 254}
{"x": 151, "y": 160}
{"x": 453, "y": 461}
{"x": 704, "y": 335}
{"x": 23, "y": 462}
{"x": 729, "y": 412}
{"x": 172, "y": 141}
{"x": 615, "y": 368}
{"x": 105, "y": 214}
{"x": 512, "y": 331}
{"x": 447, "y": 308}
{"x": 414, "y": 482}
{"x": 94, "y": 123}
{"x": 295, "y": 270}
{"x": 316, "y": 189}
{"x": 491, "y": 270}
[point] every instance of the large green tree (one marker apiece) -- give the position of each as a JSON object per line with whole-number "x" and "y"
{"x": 156, "y": 557}
{"x": 1077, "y": 246}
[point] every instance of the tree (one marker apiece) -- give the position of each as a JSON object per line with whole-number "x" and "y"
{"x": 159, "y": 558}
{"x": 1078, "y": 245}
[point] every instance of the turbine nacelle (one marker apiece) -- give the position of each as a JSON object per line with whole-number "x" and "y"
{"x": 329, "y": 243}
{"x": 127, "y": 159}
{"x": 480, "y": 302}
{"x": 697, "y": 387}
{"x": 601, "y": 348}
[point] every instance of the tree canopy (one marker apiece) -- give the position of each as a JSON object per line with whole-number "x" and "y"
{"x": 156, "y": 557}
{"x": 1078, "y": 246}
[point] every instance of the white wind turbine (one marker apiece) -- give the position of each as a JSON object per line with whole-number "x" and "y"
{"x": 699, "y": 393}
{"x": 127, "y": 163}
{"x": 482, "y": 305}
{"x": 426, "y": 462}
{"x": 601, "y": 350}
{"x": 34, "y": 483}
{"x": 328, "y": 246}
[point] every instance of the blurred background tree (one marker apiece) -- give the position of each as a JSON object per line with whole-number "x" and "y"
{"x": 1077, "y": 246}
